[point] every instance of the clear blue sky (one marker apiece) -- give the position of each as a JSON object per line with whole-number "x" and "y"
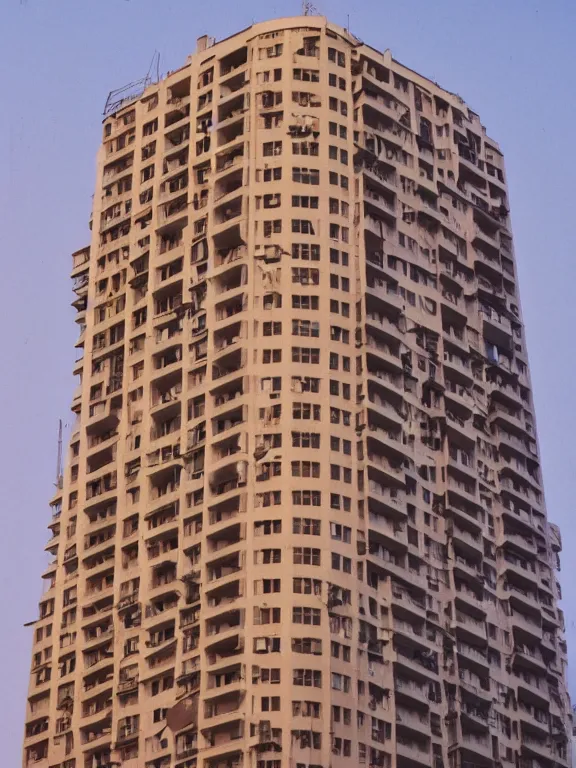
{"x": 512, "y": 60}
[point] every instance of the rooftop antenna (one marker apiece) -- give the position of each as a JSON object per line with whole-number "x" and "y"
{"x": 59, "y": 470}
{"x": 154, "y": 68}
{"x": 309, "y": 9}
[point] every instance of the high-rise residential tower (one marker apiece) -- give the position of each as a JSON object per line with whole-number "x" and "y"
{"x": 301, "y": 523}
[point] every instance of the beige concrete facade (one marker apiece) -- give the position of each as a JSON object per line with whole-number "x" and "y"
{"x": 301, "y": 523}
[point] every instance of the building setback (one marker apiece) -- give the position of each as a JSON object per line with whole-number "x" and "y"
{"x": 301, "y": 523}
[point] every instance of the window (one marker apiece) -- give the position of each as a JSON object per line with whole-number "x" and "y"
{"x": 304, "y": 586}
{"x": 305, "y": 440}
{"x": 305, "y": 276}
{"x": 340, "y": 473}
{"x": 306, "y": 176}
{"x": 305, "y": 302}
{"x": 341, "y": 563}
{"x": 268, "y": 499}
{"x": 271, "y": 384}
{"x": 306, "y": 251}
{"x": 310, "y": 148}
{"x": 271, "y": 356}
{"x": 307, "y": 499}
{"x": 305, "y": 469}
{"x": 270, "y": 52}
{"x": 340, "y": 502}
{"x": 311, "y": 678}
{"x": 306, "y": 556}
{"x": 339, "y": 282}
{"x": 337, "y": 651}
{"x": 306, "y": 99}
{"x": 305, "y": 384}
{"x": 272, "y": 329}
{"x": 265, "y": 77}
{"x": 270, "y": 703}
{"x": 272, "y": 148}
{"x": 340, "y": 533}
{"x": 307, "y": 75}
{"x": 336, "y": 415}
{"x": 272, "y": 174}
{"x": 306, "y": 525}
{"x": 305, "y": 328}
{"x": 271, "y": 120}
{"x": 266, "y": 645}
{"x": 150, "y": 128}
{"x": 266, "y": 615}
{"x": 270, "y": 675}
{"x": 304, "y": 201}
{"x": 268, "y": 99}
{"x": 306, "y": 411}
{"x": 306, "y": 355}
{"x": 339, "y": 334}
{"x": 302, "y": 227}
{"x": 340, "y": 682}
{"x": 267, "y": 556}
{"x": 267, "y": 527}
{"x": 272, "y": 200}
{"x": 272, "y": 227}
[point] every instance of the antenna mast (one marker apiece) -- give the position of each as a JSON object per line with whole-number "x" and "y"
{"x": 59, "y": 471}
{"x": 308, "y": 9}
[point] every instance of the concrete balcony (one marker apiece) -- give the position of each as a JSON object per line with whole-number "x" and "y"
{"x": 386, "y": 381}
{"x": 533, "y": 689}
{"x": 541, "y": 748}
{"x": 456, "y": 337}
{"x": 382, "y": 324}
{"x": 380, "y": 203}
{"x": 496, "y": 328}
{"x": 410, "y": 601}
{"x": 508, "y": 417}
{"x": 381, "y": 468}
{"x": 467, "y": 597}
{"x": 386, "y": 354}
{"x": 410, "y": 690}
{"x": 468, "y": 568}
{"x": 466, "y": 491}
{"x": 519, "y": 473}
{"x": 461, "y": 399}
{"x": 535, "y": 718}
{"x": 412, "y": 719}
{"x": 528, "y": 625}
{"x": 487, "y": 241}
{"x": 519, "y": 541}
{"x": 386, "y": 294}
{"x": 477, "y": 745}
{"x": 385, "y": 409}
{"x": 470, "y": 653}
{"x": 413, "y": 751}
{"x": 470, "y": 541}
{"x": 395, "y": 533}
{"x": 467, "y": 626}
{"x": 471, "y": 683}
{"x": 524, "y": 570}
{"x": 458, "y": 365}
